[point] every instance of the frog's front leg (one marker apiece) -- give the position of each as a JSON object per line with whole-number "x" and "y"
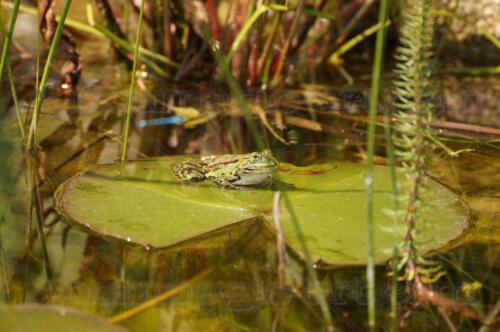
{"x": 189, "y": 171}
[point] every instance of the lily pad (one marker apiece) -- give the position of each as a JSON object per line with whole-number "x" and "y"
{"x": 41, "y": 318}
{"x": 332, "y": 214}
{"x": 142, "y": 202}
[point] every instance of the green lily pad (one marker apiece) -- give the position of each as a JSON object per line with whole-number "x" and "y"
{"x": 142, "y": 202}
{"x": 41, "y": 318}
{"x": 332, "y": 215}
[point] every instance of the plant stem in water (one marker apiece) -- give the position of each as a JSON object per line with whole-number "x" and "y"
{"x": 45, "y": 75}
{"x": 16, "y": 102}
{"x": 8, "y": 39}
{"x": 376, "y": 74}
{"x": 132, "y": 82}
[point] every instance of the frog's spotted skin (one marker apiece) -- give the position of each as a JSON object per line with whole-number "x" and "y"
{"x": 189, "y": 171}
{"x": 231, "y": 171}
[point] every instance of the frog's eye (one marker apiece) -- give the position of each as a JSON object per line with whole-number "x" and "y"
{"x": 255, "y": 155}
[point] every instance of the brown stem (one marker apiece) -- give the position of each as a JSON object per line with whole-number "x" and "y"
{"x": 213, "y": 18}
{"x": 168, "y": 48}
{"x": 288, "y": 42}
{"x": 107, "y": 12}
{"x": 266, "y": 52}
{"x": 305, "y": 29}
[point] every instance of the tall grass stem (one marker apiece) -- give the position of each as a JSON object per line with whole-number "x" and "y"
{"x": 45, "y": 75}
{"x": 245, "y": 29}
{"x": 125, "y": 14}
{"x": 375, "y": 88}
{"x": 351, "y": 43}
{"x": 482, "y": 30}
{"x": 389, "y": 148}
{"x": 248, "y": 24}
{"x": 8, "y": 39}
{"x": 3, "y": 272}
{"x": 16, "y": 101}
{"x": 38, "y": 206}
{"x": 132, "y": 81}
{"x": 288, "y": 41}
{"x": 265, "y": 62}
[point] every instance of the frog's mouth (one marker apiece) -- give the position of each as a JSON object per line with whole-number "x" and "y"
{"x": 263, "y": 168}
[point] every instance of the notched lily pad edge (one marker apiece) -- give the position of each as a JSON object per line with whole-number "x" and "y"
{"x": 469, "y": 215}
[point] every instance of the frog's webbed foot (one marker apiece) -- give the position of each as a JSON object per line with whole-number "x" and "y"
{"x": 188, "y": 171}
{"x": 269, "y": 182}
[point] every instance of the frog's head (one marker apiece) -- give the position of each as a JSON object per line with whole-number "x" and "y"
{"x": 260, "y": 160}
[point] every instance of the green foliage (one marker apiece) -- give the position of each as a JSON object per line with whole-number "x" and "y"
{"x": 416, "y": 93}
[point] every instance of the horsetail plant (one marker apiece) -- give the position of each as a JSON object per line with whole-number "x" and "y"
{"x": 416, "y": 95}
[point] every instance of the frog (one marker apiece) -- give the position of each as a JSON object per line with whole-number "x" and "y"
{"x": 229, "y": 170}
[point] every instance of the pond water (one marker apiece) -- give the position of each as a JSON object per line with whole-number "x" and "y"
{"x": 242, "y": 289}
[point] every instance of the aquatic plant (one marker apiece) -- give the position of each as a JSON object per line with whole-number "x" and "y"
{"x": 416, "y": 93}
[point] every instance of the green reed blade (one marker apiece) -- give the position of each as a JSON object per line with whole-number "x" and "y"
{"x": 351, "y": 43}
{"x": 265, "y": 61}
{"x": 389, "y": 147}
{"x": 375, "y": 88}
{"x": 284, "y": 50}
{"x": 132, "y": 81}
{"x": 248, "y": 24}
{"x": 8, "y": 39}
{"x": 482, "y": 30}
{"x": 45, "y": 75}
{"x": 16, "y": 102}
{"x": 125, "y": 14}
{"x": 3, "y": 269}
{"x": 37, "y": 205}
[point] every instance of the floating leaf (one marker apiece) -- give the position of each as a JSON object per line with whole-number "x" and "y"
{"x": 332, "y": 215}
{"x": 143, "y": 203}
{"x": 41, "y": 318}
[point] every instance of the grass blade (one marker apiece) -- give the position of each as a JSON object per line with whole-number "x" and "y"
{"x": 3, "y": 270}
{"x": 45, "y": 75}
{"x": 392, "y": 166}
{"x": 16, "y": 103}
{"x": 375, "y": 87}
{"x": 8, "y": 39}
{"x": 132, "y": 81}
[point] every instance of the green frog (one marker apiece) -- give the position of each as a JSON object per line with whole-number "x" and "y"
{"x": 230, "y": 170}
